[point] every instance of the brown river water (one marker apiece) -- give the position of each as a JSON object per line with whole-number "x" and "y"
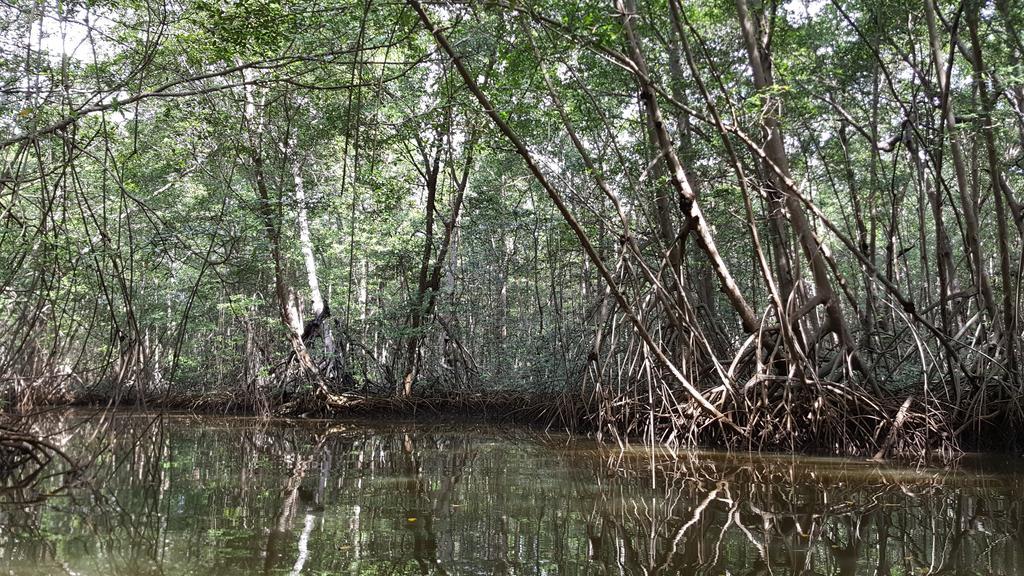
{"x": 224, "y": 496}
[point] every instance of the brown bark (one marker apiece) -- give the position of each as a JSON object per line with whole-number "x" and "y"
{"x": 432, "y": 167}
{"x": 688, "y": 203}
{"x": 429, "y": 281}
{"x": 760, "y": 64}
{"x": 995, "y": 177}
{"x": 270, "y": 219}
{"x": 967, "y": 201}
{"x": 588, "y": 247}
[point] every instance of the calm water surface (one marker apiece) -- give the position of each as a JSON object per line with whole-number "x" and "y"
{"x": 225, "y": 496}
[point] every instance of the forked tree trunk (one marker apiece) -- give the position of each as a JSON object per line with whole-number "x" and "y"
{"x": 778, "y": 166}
{"x": 429, "y": 282}
{"x": 270, "y": 218}
{"x": 680, "y": 182}
{"x": 967, "y": 201}
{"x": 321, "y": 312}
{"x": 432, "y": 167}
{"x": 995, "y": 180}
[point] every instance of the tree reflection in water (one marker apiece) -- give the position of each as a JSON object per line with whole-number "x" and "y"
{"x": 182, "y": 495}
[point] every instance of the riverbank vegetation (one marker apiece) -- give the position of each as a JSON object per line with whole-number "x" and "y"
{"x": 756, "y": 225}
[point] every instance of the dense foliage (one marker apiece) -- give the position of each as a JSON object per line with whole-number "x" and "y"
{"x": 758, "y": 224}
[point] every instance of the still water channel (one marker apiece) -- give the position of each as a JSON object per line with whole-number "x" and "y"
{"x": 226, "y": 496}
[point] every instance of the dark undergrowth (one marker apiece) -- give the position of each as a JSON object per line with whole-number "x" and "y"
{"x": 556, "y": 412}
{"x": 549, "y": 410}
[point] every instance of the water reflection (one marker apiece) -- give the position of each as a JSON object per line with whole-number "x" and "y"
{"x": 182, "y": 495}
{"x": 805, "y": 516}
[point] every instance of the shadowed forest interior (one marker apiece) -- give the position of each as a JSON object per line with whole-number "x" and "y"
{"x": 747, "y": 224}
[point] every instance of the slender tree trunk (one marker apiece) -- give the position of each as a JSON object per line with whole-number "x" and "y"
{"x": 863, "y": 240}
{"x": 412, "y": 351}
{"x": 995, "y": 178}
{"x": 270, "y": 217}
{"x": 760, "y": 65}
{"x": 321, "y": 312}
{"x": 696, "y": 261}
{"x": 778, "y": 232}
{"x": 429, "y": 281}
{"x": 967, "y": 202}
{"x": 689, "y": 206}
{"x": 1013, "y": 50}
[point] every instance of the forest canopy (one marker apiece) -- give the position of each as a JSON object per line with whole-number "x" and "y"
{"x": 745, "y": 223}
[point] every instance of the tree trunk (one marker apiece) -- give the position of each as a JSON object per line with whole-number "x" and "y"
{"x": 689, "y": 206}
{"x": 270, "y": 218}
{"x": 967, "y": 202}
{"x": 995, "y": 179}
{"x": 778, "y": 167}
{"x": 321, "y": 312}
{"x": 412, "y": 348}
